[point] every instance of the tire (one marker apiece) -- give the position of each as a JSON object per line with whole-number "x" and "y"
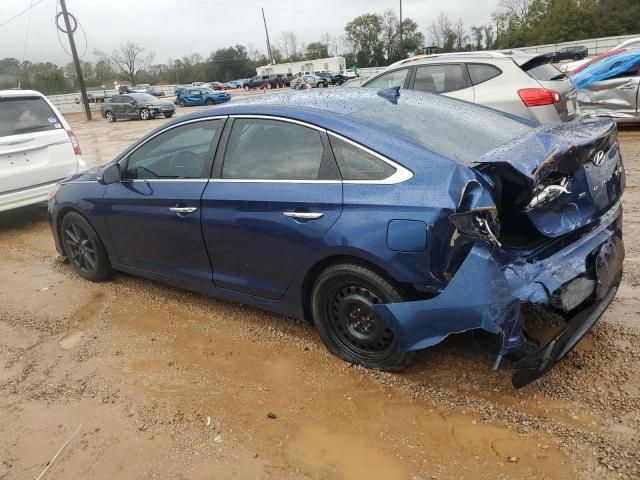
{"x": 576, "y": 58}
{"x": 269, "y": 86}
{"x": 145, "y": 114}
{"x": 209, "y": 102}
{"x": 246, "y": 88}
{"x": 324, "y": 85}
{"x": 168, "y": 115}
{"x": 350, "y": 329}
{"x": 110, "y": 117}
{"x": 83, "y": 248}
{"x": 181, "y": 103}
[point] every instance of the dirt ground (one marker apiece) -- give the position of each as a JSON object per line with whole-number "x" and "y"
{"x": 154, "y": 382}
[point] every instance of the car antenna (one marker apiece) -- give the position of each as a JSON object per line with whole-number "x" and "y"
{"x": 392, "y": 94}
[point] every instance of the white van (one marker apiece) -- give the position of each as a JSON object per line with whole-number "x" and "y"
{"x": 37, "y": 148}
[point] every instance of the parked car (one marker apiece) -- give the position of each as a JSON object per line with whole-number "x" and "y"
{"x": 284, "y": 79}
{"x": 142, "y": 88}
{"x": 610, "y": 86}
{"x": 217, "y": 86}
{"x": 233, "y": 84}
{"x": 591, "y": 61}
{"x": 460, "y": 235}
{"x": 92, "y": 98}
{"x": 199, "y": 84}
{"x": 155, "y": 91}
{"x": 259, "y": 81}
{"x": 178, "y": 90}
{"x": 570, "y": 53}
{"x": 526, "y": 85}
{"x": 327, "y": 75}
{"x": 201, "y": 96}
{"x": 312, "y": 80}
{"x": 37, "y": 148}
{"x": 574, "y": 66}
{"x": 136, "y": 105}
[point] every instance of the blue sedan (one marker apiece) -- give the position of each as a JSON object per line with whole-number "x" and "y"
{"x": 388, "y": 219}
{"x": 191, "y": 97}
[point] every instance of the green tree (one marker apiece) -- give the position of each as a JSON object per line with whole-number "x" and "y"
{"x": 363, "y": 34}
{"x": 316, "y": 50}
{"x": 229, "y": 64}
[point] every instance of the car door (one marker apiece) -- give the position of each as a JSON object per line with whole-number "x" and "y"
{"x": 127, "y": 106}
{"x": 450, "y": 79}
{"x": 276, "y": 191}
{"x": 153, "y": 213}
{"x": 617, "y": 96}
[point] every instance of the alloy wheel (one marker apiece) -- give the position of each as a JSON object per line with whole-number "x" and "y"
{"x": 82, "y": 252}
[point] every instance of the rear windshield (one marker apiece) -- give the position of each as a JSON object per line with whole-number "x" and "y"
{"x": 25, "y": 115}
{"x": 454, "y": 129}
{"x": 542, "y": 70}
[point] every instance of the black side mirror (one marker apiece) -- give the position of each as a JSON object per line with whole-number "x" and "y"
{"x": 110, "y": 174}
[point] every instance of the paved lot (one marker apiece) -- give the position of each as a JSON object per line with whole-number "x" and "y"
{"x": 164, "y": 383}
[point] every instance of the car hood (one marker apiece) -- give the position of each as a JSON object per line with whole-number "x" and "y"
{"x": 86, "y": 176}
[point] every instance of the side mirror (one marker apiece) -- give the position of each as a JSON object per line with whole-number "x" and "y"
{"x": 110, "y": 174}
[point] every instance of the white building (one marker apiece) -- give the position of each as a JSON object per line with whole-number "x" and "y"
{"x": 332, "y": 64}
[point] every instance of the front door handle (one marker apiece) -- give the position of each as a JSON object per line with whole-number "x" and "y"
{"x": 183, "y": 209}
{"x": 628, "y": 86}
{"x": 304, "y": 215}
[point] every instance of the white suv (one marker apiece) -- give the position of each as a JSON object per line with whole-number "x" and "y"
{"x": 37, "y": 148}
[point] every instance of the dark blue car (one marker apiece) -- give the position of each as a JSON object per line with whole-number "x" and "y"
{"x": 196, "y": 96}
{"x": 388, "y": 220}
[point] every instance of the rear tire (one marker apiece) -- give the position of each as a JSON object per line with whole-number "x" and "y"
{"x": 83, "y": 248}
{"x": 341, "y": 303}
{"x": 246, "y": 88}
{"x": 109, "y": 116}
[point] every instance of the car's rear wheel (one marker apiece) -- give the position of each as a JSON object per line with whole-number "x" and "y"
{"x": 145, "y": 114}
{"x": 576, "y": 58}
{"x": 208, "y": 102}
{"x": 84, "y": 248}
{"x": 269, "y": 86}
{"x": 109, "y": 116}
{"x": 342, "y": 300}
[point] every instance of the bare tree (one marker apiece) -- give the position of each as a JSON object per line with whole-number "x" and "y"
{"x": 128, "y": 59}
{"x": 517, "y": 10}
{"x": 442, "y": 32}
{"x": 461, "y": 36}
{"x": 331, "y": 42}
{"x": 288, "y": 44}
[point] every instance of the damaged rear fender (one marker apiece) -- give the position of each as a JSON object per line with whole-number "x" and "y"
{"x": 478, "y": 297}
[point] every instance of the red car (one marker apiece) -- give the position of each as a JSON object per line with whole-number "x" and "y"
{"x": 217, "y": 86}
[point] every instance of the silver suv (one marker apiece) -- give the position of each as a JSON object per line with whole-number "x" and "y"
{"x": 522, "y": 84}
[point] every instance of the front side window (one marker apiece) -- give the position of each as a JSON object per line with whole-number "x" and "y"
{"x": 274, "y": 150}
{"x": 356, "y": 164}
{"x": 439, "y": 78}
{"x": 181, "y": 152}
{"x": 26, "y": 115}
{"x": 390, "y": 80}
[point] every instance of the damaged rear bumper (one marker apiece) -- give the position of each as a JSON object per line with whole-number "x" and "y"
{"x": 487, "y": 291}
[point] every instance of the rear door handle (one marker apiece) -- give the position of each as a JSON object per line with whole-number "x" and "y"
{"x": 304, "y": 215}
{"x": 183, "y": 209}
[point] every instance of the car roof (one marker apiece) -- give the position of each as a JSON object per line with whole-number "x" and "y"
{"x": 504, "y": 56}
{"x": 17, "y": 92}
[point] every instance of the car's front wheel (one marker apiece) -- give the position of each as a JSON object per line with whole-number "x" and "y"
{"x": 83, "y": 248}
{"x": 168, "y": 115}
{"x": 208, "y": 102}
{"x": 145, "y": 114}
{"x": 109, "y": 116}
{"x": 342, "y": 301}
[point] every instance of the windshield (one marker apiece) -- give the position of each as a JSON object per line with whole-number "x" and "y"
{"x": 143, "y": 97}
{"x": 207, "y": 90}
{"x": 26, "y": 114}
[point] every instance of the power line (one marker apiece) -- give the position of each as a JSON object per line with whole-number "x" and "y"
{"x": 19, "y": 14}
{"x": 244, "y": 5}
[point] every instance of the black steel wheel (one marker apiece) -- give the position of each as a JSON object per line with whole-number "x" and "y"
{"x": 83, "y": 248}
{"x": 342, "y": 302}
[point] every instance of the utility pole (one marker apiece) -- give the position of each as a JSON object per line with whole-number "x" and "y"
{"x": 401, "y": 43}
{"x": 76, "y": 60}
{"x": 267, "y": 33}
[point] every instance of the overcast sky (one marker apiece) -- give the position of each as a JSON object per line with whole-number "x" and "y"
{"x": 175, "y": 28}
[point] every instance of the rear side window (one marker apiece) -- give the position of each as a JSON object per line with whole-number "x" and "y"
{"x": 273, "y": 150}
{"x": 439, "y": 78}
{"x": 481, "y": 72}
{"x": 390, "y": 80}
{"x": 356, "y": 164}
{"x": 26, "y": 115}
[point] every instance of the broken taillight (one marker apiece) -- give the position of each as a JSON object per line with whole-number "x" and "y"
{"x": 478, "y": 224}
{"x": 537, "y": 97}
{"x": 547, "y": 193}
{"x": 74, "y": 142}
